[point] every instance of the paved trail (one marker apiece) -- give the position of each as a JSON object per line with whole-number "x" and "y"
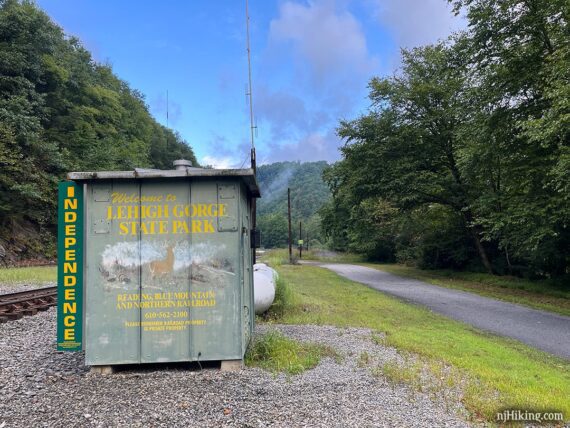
{"x": 540, "y": 329}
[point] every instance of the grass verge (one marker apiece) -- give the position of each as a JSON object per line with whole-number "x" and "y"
{"x": 332, "y": 256}
{"x": 279, "y": 256}
{"x": 283, "y": 302}
{"x": 277, "y": 353}
{"x": 497, "y": 373}
{"x": 539, "y": 294}
{"x": 35, "y": 275}
{"x": 544, "y": 295}
{"x": 275, "y": 257}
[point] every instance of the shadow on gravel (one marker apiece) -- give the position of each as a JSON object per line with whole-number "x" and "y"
{"x": 163, "y": 367}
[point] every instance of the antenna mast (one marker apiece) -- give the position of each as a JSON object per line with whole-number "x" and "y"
{"x": 250, "y": 92}
{"x": 251, "y": 126}
{"x": 167, "y": 119}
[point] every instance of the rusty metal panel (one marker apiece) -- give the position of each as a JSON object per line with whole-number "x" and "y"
{"x": 111, "y": 271}
{"x": 227, "y": 196}
{"x": 215, "y": 272}
{"x": 166, "y": 243}
{"x": 168, "y": 270}
{"x": 246, "y": 280}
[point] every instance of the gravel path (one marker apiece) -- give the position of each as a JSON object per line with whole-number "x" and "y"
{"x": 547, "y": 331}
{"x": 40, "y": 387}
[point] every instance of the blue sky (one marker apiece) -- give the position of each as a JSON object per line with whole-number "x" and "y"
{"x": 311, "y": 61}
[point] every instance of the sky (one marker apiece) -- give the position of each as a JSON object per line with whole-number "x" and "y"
{"x": 311, "y": 63}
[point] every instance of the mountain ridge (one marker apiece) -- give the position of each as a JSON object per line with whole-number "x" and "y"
{"x": 308, "y": 194}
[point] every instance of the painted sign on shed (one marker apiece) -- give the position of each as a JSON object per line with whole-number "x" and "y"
{"x": 70, "y": 267}
{"x": 168, "y": 274}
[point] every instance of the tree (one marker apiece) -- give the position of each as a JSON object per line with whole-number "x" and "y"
{"x": 409, "y": 150}
{"x": 60, "y": 111}
{"x": 520, "y": 66}
{"x": 471, "y": 137}
{"x": 274, "y": 230}
{"x": 308, "y": 194}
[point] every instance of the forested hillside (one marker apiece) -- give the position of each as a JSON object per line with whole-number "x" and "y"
{"x": 464, "y": 160}
{"x": 308, "y": 194}
{"x": 61, "y": 111}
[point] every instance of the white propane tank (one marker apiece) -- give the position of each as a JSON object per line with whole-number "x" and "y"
{"x": 264, "y": 279}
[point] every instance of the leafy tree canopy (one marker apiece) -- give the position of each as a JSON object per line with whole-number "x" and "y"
{"x": 61, "y": 111}
{"x": 463, "y": 158}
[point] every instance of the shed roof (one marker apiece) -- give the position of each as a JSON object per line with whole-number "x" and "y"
{"x": 247, "y": 175}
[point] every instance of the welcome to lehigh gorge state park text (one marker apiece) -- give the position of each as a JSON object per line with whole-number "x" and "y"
{"x": 162, "y": 217}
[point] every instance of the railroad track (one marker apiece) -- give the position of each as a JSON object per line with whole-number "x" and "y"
{"x": 14, "y": 306}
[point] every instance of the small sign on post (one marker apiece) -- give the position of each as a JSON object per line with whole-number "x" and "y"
{"x": 70, "y": 267}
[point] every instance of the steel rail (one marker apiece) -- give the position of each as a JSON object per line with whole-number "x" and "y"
{"x": 15, "y": 305}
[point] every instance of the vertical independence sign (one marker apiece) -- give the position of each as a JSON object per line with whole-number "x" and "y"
{"x": 69, "y": 267}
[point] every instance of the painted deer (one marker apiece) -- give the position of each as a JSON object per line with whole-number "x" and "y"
{"x": 162, "y": 267}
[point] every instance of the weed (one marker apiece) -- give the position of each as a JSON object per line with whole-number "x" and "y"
{"x": 284, "y": 300}
{"x": 378, "y": 339}
{"x": 277, "y": 353}
{"x": 363, "y": 359}
{"x": 277, "y": 257}
{"x": 401, "y": 373}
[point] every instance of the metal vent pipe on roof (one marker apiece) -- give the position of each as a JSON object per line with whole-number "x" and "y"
{"x": 182, "y": 164}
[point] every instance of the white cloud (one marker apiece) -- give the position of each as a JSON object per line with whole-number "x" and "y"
{"x": 313, "y": 147}
{"x": 417, "y": 22}
{"x": 330, "y": 40}
{"x": 226, "y": 162}
{"x": 282, "y": 109}
{"x": 326, "y": 46}
{"x": 323, "y": 46}
{"x": 287, "y": 113}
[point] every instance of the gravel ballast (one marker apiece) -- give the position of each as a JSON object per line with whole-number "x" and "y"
{"x": 15, "y": 288}
{"x": 41, "y": 387}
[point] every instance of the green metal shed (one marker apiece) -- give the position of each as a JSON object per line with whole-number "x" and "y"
{"x": 167, "y": 264}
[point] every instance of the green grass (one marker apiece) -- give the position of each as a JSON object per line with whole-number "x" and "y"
{"x": 433, "y": 377}
{"x": 363, "y": 359}
{"x": 496, "y": 373}
{"x": 544, "y": 294}
{"x": 332, "y": 256}
{"x": 284, "y": 300}
{"x": 35, "y": 275}
{"x": 275, "y": 257}
{"x": 280, "y": 256}
{"x": 409, "y": 374}
{"x": 539, "y": 294}
{"x": 277, "y": 353}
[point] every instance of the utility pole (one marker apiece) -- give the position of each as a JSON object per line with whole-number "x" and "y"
{"x": 289, "y": 217}
{"x": 300, "y": 240}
